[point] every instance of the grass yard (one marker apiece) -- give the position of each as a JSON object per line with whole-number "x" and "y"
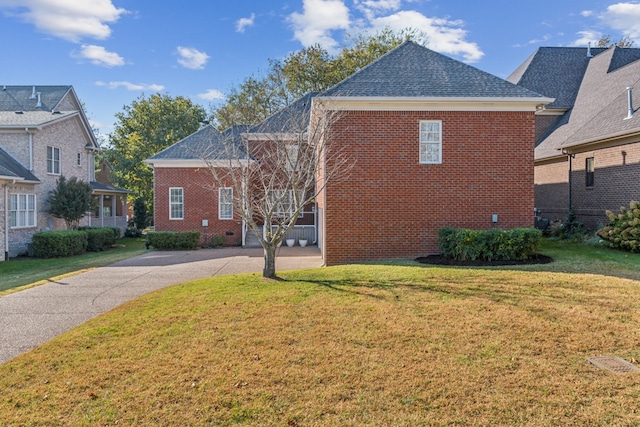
{"x": 356, "y": 345}
{"x": 24, "y": 271}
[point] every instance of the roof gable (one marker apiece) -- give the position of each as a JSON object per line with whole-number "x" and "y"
{"x": 290, "y": 119}
{"x": 32, "y": 98}
{"x": 411, "y": 70}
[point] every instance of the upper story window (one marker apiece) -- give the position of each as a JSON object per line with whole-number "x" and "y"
{"x": 292, "y": 158}
{"x": 590, "y": 169}
{"x": 431, "y": 141}
{"x": 225, "y": 203}
{"x": 22, "y": 210}
{"x": 176, "y": 203}
{"x": 53, "y": 160}
{"x": 79, "y": 159}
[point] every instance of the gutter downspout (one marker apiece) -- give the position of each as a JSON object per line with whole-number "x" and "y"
{"x": 30, "y": 149}
{"x": 6, "y": 221}
{"x": 571, "y": 156}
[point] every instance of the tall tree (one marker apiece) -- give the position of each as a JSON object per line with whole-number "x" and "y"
{"x": 605, "y": 41}
{"x": 312, "y": 69}
{"x": 144, "y": 128}
{"x": 272, "y": 188}
{"x": 71, "y": 200}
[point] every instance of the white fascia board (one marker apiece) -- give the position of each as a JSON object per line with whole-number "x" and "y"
{"x": 433, "y": 103}
{"x": 271, "y": 136}
{"x": 197, "y": 163}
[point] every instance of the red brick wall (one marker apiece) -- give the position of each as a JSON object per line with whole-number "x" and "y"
{"x": 392, "y": 207}
{"x": 615, "y": 183}
{"x": 200, "y": 202}
{"x": 552, "y": 189}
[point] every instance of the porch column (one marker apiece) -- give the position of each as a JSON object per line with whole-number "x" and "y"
{"x": 101, "y": 215}
{"x": 113, "y": 210}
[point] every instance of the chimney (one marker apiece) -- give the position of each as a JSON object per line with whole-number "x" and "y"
{"x": 33, "y": 93}
{"x": 39, "y": 103}
{"x": 629, "y": 102}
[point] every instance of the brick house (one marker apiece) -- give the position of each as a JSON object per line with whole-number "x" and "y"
{"x": 44, "y": 134}
{"x": 433, "y": 143}
{"x": 587, "y": 151}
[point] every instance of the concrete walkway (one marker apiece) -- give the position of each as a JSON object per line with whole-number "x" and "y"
{"x": 30, "y": 317}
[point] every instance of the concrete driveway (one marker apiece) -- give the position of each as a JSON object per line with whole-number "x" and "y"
{"x": 30, "y": 317}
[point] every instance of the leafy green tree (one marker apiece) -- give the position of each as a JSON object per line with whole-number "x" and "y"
{"x": 144, "y": 128}
{"x": 71, "y": 200}
{"x": 140, "y": 215}
{"x": 312, "y": 69}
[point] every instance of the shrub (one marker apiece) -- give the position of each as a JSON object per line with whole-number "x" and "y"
{"x": 132, "y": 232}
{"x": 171, "y": 240}
{"x": 54, "y": 244}
{"x": 623, "y": 231}
{"x": 99, "y": 239}
{"x": 569, "y": 229}
{"x": 489, "y": 245}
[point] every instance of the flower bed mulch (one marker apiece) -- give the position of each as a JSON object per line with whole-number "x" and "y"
{"x": 440, "y": 260}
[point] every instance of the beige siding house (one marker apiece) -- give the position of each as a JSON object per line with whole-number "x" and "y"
{"x": 44, "y": 134}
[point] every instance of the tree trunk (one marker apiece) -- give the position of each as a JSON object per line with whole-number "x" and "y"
{"x": 269, "y": 270}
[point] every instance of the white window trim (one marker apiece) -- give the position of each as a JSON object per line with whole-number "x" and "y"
{"x": 171, "y": 204}
{"x": 52, "y": 161}
{"x": 425, "y": 142}
{"x": 14, "y": 220}
{"x": 222, "y": 201}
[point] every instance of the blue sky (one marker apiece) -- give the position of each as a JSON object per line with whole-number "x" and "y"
{"x": 112, "y": 51}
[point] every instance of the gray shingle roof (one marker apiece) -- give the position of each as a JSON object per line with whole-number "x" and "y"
{"x": 292, "y": 118}
{"x": 21, "y": 119}
{"x": 411, "y": 70}
{"x": 10, "y": 167}
{"x": 207, "y": 143}
{"x": 19, "y": 98}
{"x": 102, "y": 187}
{"x": 555, "y": 72}
{"x": 600, "y": 106}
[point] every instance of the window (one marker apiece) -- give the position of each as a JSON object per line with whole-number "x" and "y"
{"x": 176, "y": 203}
{"x": 284, "y": 203}
{"x": 292, "y": 158}
{"x": 22, "y": 210}
{"x": 79, "y": 159}
{"x": 590, "y": 171}
{"x": 431, "y": 141}
{"x": 53, "y": 160}
{"x": 225, "y": 203}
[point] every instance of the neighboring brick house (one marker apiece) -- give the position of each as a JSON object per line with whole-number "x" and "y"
{"x": 587, "y": 151}
{"x": 433, "y": 143}
{"x": 44, "y": 134}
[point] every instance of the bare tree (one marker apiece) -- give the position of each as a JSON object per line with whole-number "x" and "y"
{"x": 270, "y": 172}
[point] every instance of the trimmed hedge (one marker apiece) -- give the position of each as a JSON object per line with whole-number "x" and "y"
{"x": 54, "y": 244}
{"x": 101, "y": 238}
{"x": 489, "y": 245}
{"x": 172, "y": 240}
{"x": 623, "y": 231}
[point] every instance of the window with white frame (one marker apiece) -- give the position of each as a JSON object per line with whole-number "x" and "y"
{"x": 292, "y": 157}
{"x": 431, "y": 141}
{"x": 284, "y": 202}
{"x": 225, "y": 203}
{"x": 53, "y": 160}
{"x": 22, "y": 210}
{"x": 176, "y": 203}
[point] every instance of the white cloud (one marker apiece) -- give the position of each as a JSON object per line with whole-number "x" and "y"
{"x": 443, "y": 35}
{"x": 243, "y": 23}
{"x": 131, "y": 86}
{"x": 98, "y": 55}
{"x": 318, "y": 19}
{"x": 587, "y": 37}
{"x": 586, "y": 13}
{"x": 623, "y": 17}
{"x": 72, "y": 20}
{"x": 211, "y": 95}
{"x": 192, "y": 58}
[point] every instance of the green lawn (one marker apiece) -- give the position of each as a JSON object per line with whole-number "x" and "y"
{"x": 24, "y": 271}
{"x": 399, "y": 344}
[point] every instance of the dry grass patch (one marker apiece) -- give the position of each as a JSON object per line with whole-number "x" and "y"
{"x": 344, "y": 346}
